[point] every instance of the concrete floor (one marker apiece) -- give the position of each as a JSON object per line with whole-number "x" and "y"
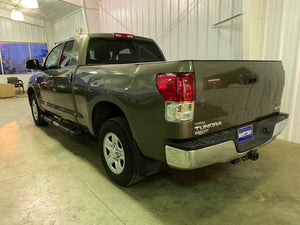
{"x": 48, "y": 177}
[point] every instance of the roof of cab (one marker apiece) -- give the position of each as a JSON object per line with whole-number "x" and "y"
{"x": 111, "y": 35}
{"x": 101, "y": 35}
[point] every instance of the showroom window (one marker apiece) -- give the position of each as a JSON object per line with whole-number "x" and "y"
{"x": 13, "y": 56}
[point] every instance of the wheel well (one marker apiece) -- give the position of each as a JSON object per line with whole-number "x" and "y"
{"x": 103, "y": 111}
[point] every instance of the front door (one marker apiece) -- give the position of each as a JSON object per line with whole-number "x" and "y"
{"x": 47, "y": 76}
{"x": 62, "y": 82}
{"x": 56, "y": 88}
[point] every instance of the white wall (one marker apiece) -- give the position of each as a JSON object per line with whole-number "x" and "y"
{"x": 15, "y": 31}
{"x": 183, "y": 29}
{"x": 277, "y": 30}
{"x": 66, "y": 26}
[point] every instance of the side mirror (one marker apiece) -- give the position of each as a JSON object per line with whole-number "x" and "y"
{"x": 33, "y": 64}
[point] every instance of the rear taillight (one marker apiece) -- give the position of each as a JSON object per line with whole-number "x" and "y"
{"x": 122, "y": 35}
{"x": 176, "y": 87}
{"x": 178, "y": 90}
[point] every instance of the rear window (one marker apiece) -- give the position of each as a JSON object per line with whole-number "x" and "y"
{"x": 117, "y": 51}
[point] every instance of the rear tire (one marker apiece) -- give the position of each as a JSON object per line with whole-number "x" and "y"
{"x": 118, "y": 151}
{"x": 36, "y": 112}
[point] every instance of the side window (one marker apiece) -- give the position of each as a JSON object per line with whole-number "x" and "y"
{"x": 53, "y": 57}
{"x": 100, "y": 51}
{"x": 70, "y": 55}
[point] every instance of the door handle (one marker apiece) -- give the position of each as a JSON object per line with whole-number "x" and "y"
{"x": 251, "y": 78}
{"x": 71, "y": 78}
{"x": 90, "y": 91}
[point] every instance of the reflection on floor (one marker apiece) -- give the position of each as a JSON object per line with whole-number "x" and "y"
{"x": 48, "y": 177}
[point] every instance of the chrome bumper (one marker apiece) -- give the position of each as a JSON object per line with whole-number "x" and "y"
{"x": 220, "y": 153}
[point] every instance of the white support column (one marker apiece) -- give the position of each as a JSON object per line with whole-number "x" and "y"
{"x": 92, "y": 15}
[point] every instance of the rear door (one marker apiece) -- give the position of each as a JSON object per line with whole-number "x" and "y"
{"x": 232, "y": 93}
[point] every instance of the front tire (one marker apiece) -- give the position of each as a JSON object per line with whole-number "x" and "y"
{"x": 36, "y": 112}
{"x": 118, "y": 151}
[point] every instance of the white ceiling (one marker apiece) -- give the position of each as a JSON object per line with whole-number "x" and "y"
{"x": 49, "y": 10}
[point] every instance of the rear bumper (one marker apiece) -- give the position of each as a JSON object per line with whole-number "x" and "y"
{"x": 183, "y": 156}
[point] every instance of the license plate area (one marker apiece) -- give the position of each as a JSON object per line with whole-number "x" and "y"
{"x": 245, "y": 133}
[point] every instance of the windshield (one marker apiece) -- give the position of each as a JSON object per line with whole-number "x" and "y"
{"x": 117, "y": 51}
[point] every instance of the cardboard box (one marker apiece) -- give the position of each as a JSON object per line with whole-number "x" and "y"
{"x": 7, "y": 90}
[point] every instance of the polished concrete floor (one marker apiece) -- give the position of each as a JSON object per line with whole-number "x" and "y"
{"x": 48, "y": 177}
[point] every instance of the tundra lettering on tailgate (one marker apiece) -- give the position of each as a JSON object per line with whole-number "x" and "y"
{"x": 202, "y": 128}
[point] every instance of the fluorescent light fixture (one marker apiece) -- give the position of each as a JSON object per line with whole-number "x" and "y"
{"x": 16, "y": 15}
{"x": 33, "y": 4}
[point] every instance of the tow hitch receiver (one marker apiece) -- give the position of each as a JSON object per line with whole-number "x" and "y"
{"x": 253, "y": 155}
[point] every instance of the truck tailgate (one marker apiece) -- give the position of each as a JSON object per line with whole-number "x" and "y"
{"x": 233, "y": 93}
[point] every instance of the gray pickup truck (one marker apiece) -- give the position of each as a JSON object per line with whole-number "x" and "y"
{"x": 146, "y": 111}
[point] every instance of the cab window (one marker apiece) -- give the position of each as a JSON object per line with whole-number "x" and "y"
{"x": 70, "y": 55}
{"x": 118, "y": 51}
{"x": 53, "y": 57}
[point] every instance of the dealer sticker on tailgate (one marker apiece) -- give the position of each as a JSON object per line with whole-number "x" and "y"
{"x": 245, "y": 133}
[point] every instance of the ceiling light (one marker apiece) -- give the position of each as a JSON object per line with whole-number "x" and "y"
{"x": 16, "y": 15}
{"x": 30, "y": 4}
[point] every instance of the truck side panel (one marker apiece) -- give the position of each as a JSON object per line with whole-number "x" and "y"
{"x": 228, "y": 94}
{"x": 132, "y": 87}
